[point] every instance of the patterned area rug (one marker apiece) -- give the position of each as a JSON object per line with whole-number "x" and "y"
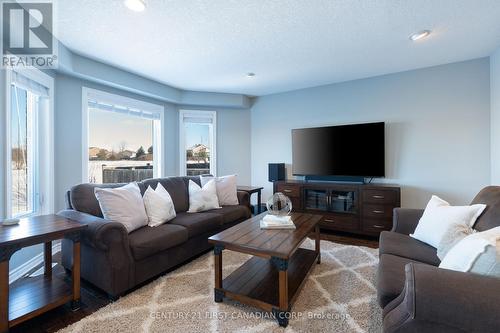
{"x": 338, "y": 296}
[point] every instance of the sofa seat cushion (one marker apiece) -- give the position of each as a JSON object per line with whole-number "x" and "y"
{"x": 408, "y": 247}
{"x": 198, "y": 223}
{"x": 147, "y": 241}
{"x": 390, "y": 277}
{"x": 232, "y": 214}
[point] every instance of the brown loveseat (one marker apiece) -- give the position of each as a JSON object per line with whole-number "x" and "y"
{"x": 417, "y": 296}
{"x": 116, "y": 261}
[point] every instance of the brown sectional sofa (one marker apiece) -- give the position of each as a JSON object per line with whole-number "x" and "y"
{"x": 116, "y": 261}
{"x": 417, "y": 296}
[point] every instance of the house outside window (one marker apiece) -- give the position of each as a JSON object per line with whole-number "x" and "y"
{"x": 197, "y": 139}
{"x": 124, "y": 138}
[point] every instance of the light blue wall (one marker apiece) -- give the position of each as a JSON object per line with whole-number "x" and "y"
{"x": 495, "y": 116}
{"x": 437, "y": 133}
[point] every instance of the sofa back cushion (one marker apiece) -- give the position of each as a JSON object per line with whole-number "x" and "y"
{"x": 490, "y": 196}
{"x": 177, "y": 187}
{"x": 82, "y": 197}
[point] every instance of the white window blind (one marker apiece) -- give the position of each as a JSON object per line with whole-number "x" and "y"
{"x": 145, "y": 114}
{"x": 197, "y": 118}
{"x": 23, "y": 82}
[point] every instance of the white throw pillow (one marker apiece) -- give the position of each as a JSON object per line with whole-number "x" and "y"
{"x": 226, "y": 189}
{"x": 124, "y": 205}
{"x": 439, "y": 216}
{"x": 477, "y": 253}
{"x": 159, "y": 205}
{"x": 201, "y": 199}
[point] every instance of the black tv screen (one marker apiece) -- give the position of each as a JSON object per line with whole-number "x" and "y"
{"x": 347, "y": 150}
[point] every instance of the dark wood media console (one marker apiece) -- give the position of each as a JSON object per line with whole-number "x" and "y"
{"x": 356, "y": 208}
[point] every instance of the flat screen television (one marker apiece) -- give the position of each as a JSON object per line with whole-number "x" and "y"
{"x": 348, "y": 150}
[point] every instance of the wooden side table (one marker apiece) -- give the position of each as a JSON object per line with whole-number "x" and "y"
{"x": 31, "y": 299}
{"x": 251, "y": 190}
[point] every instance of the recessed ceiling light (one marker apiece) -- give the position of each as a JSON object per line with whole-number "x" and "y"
{"x": 136, "y": 5}
{"x": 250, "y": 74}
{"x": 419, "y": 35}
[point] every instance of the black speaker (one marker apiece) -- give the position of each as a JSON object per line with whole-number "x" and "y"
{"x": 276, "y": 171}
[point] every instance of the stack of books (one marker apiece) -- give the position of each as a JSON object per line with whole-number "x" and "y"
{"x": 276, "y": 222}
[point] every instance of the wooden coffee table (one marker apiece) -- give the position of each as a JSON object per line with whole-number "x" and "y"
{"x": 273, "y": 277}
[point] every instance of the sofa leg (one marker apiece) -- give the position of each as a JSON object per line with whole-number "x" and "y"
{"x": 113, "y": 298}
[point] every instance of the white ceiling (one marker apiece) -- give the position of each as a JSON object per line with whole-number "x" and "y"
{"x": 209, "y": 45}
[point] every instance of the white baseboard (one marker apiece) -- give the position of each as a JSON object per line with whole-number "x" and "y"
{"x": 22, "y": 270}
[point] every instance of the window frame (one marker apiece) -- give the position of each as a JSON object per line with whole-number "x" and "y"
{"x": 182, "y": 138}
{"x": 44, "y": 147}
{"x": 158, "y": 127}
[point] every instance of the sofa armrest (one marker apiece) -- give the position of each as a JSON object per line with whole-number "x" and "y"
{"x": 445, "y": 300}
{"x": 405, "y": 220}
{"x": 100, "y": 233}
{"x": 244, "y": 198}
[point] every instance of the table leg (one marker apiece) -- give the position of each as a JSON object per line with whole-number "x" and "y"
{"x": 282, "y": 313}
{"x": 259, "y": 198}
{"x": 218, "y": 294}
{"x": 283, "y": 289}
{"x": 76, "y": 303}
{"x": 317, "y": 245}
{"x": 47, "y": 251}
{"x": 4, "y": 296}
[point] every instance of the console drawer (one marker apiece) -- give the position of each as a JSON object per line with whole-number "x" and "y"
{"x": 336, "y": 222}
{"x": 289, "y": 190}
{"x": 380, "y": 196}
{"x": 376, "y": 226}
{"x": 374, "y": 211}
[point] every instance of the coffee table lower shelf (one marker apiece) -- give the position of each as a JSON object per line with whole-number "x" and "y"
{"x": 256, "y": 282}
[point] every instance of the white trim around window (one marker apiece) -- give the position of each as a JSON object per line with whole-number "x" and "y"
{"x": 43, "y": 140}
{"x": 126, "y": 103}
{"x": 203, "y": 117}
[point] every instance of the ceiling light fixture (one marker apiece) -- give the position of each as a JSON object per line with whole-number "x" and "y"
{"x": 136, "y": 5}
{"x": 420, "y": 35}
{"x": 250, "y": 74}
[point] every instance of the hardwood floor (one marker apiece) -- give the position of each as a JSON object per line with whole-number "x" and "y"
{"x": 93, "y": 299}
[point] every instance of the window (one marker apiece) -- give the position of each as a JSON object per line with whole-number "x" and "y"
{"x": 197, "y": 142}
{"x": 123, "y": 138}
{"x": 30, "y": 144}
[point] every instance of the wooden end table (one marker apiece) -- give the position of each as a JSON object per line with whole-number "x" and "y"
{"x": 31, "y": 299}
{"x": 272, "y": 278}
{"x": 251, "y": 190}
